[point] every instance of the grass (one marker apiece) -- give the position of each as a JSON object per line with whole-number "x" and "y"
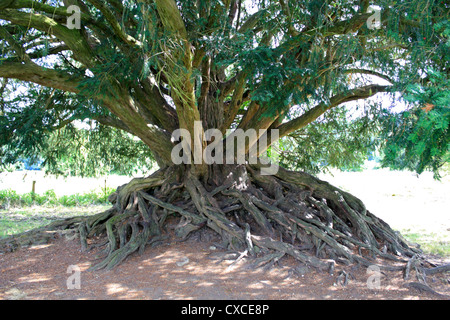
{"x": 10, "y": 198}
{"x": 404, "y": 211}
{"x": 18, "y": 220}
{"x": 23, "y": 212}
{"x": 430, "y": 242}
{"x": 416, "y": 206}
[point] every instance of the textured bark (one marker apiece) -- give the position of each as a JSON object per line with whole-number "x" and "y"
{"x": 290, "y": 213}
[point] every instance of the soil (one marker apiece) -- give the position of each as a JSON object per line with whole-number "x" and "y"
{"x": 189, "y": 270}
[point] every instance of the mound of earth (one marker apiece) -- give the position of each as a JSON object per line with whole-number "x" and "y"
{"x": 191, "y": 269}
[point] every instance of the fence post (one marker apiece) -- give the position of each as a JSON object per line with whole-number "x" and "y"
{"x": 33, "y": 190}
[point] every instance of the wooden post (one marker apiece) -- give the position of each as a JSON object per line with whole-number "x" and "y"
{"x": 33, "y": 189}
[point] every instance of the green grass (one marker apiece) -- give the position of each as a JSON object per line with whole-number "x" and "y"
{"x": 23, "y": 212}
{"x": 18, "y": 220}
{"x": 10, "y": 226}
{"x": 430, "y": 242}
{"x": 10, "y": 198}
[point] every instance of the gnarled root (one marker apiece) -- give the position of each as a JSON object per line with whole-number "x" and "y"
{"x": 267, "y": 217}
{"x": 290, "y": 213}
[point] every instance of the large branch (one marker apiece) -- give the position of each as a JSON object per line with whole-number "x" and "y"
{"x": 312, "y": 114}
{"x": 86, "y": 18}
{"x": 236, "y": 101}
{"x": 369, "y": 72}
{"x": 50, "y": 51}
{"x": 32, "y": 72}
{"x": 112, "y": 122}
{"x": 20, "y": 51}
{"x": 71, "y": 37}
{"x": 339, "y": 28}
{"x": 124, "y": 108}
{"x": 251, "y": 22}
{"x": 117, "y": 28}
{"x": 178, "y": 58}
{"x": 153, "y": 100}
{"x": 171, "y": 17}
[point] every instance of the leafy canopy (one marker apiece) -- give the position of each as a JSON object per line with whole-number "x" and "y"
{"x": 145, "y": 68}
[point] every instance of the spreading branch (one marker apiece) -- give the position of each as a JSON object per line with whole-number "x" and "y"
{"x": 71, "y": 37}
{"x": 34, "y": 73}
{"x": 312, "y": 114}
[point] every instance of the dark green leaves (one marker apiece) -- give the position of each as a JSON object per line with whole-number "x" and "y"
{"x": 334, "y": 141}
{"x": 419, "y": 139}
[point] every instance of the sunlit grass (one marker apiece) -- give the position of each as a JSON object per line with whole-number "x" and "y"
{"x": 10, "y": 198}
{"x": 18, "y": 220}
{"x": 398, "y": 194}
{"x": 430, "y": 242}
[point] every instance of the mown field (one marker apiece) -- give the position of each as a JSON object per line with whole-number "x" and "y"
{"x": 54, "y": 198}
{"x": 418, "y": 207}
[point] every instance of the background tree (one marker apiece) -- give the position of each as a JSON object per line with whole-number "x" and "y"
{"x": 37, "y": 128}
{"x": 151, "y": 67}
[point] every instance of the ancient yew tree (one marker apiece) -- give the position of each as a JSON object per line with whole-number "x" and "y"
{"x": 152, "y": 67}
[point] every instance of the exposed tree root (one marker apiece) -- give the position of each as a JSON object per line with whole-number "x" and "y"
{"x": 426, "y": 288}
{"x": 41, "y": 235}
{"x": 264, "y": 217}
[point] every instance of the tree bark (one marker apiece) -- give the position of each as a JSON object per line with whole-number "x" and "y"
{"x": 290, "y": 213}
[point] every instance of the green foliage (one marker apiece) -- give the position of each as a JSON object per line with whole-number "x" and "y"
{"x": 14, "y": 220}
{"x": 419, "y": 139}
{"x": 295, "y": 55}
{"x": 333, "y": 141}
{"x": 72, "y": 151}
{"x": 10, "y": 198}
{"x": 94, "y": 152}
{"x": 431, "y": 243}
{"x": 42, "y": 125}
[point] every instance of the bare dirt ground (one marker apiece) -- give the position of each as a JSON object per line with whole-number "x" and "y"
{"x": 41, "y": 272}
